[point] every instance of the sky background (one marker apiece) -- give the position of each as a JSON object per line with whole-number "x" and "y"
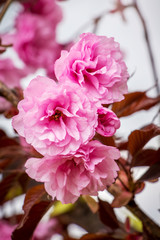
{"x": 76, "y": 18}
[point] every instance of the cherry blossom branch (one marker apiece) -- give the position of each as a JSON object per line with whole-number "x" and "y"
{"x": 148, "y": 45}
{"x": 150, "y": 228}
{"x": 95, "y": 21}
{"x": 8, "y": 94}
{"x": 4, "y": 9}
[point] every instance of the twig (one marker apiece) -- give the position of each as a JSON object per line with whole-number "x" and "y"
{"x": 8, "y": 94}
{"x": 148, "y": 46}
{"x": 150, "y": 88}
{"x": 156, "y": 115}
{"x": 4, "y": 9}
{"x": 150, "y": 228}
{"x": 95, "y": 21}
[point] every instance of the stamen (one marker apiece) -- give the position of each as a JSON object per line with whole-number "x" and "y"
{"x": 56, "y": 115}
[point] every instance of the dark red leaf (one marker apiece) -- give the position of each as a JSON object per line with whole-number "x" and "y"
{"x": 139, "y": 186}
{"x": 12, "y": 155}
{"x": 107, "y": 215}
{"x": 122, "y": 199}
{"x": 98, "y": 236}
{"x": 2, "y": 133}
{"x": 35, "y": 206}
{"x": 152, "y": 173}
{"x": 6, "y": 184}
{"x": 127, "y": 225}
{"x": 109, "y": 141}
{"x": 134, "y": 102}
{"x": 146, "y": 157}
{"x": 122, "y": 145}
{"x": 138, "y": 138}
{"x": 6, "y": 141}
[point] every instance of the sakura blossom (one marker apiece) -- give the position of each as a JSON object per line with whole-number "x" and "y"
{"x": 44, "y": 8}
{"x": 6, "y": 230}
{"x": 44, "y": 230}
{"x": 90, "y": 170}
{"x": 35, "y": 42}
{"x": 55, "y": 118}
{"x": 10, "y": 75}
{"x": 108, "y": 122}
{"x": 96, "y": 64}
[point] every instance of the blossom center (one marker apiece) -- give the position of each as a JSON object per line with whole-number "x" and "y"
{"x": 56, "y": 115}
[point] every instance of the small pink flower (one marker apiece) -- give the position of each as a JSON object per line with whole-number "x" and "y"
{"x": 45, "y": 230}
{"x": 10, "y": 76}
{"x": 35, "y": 41}
{"x": 6, "y": 230}
{"x": 87, "y": 172}
{"x": 47, "y": 9}
{"x": 108, "y": 122}
{"x": 55, "y": 119}
{"x": 95, "y": 63}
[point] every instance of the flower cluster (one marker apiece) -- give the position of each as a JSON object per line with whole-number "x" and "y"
{"x": 35, "y": 34}
{"x": 60, "y": 119}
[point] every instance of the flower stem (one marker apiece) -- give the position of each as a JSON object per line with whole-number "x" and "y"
{"x": 8, "y": 94}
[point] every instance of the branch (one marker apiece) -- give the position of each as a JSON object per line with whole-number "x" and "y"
{"x": 4, "y": 9}
{"x": 155, "y": 75}
{"x": 151, "y": 229}
{"x": 8, "y": 94}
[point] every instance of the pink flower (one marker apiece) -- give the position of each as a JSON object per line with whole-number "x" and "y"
{"x": 95, "y": 63}
{"x": 108, "y": 122}
{"x": 35, "y": 41}
{"x": 55, "y": 119}
{"x": 47, "y": 9}
{"x": 10, "y": 76}
{"x": 45, "y": 230}
{"x": 6, "y": 230}
{"x": 87, "y": 172}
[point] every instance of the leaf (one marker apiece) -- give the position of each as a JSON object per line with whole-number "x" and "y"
{"x": 109, "y": 141}
{"x": 60, "y": 208}
{"x": 107, "y": 215}
{"x": 138, "y": 138}
{"x": 135, "y": 223}
{"x": 35, "y": 206}
{"x": 134, "y": 102}
{"x": 127, "y": 225}
{"x": 92, "y": 204}
{"x": 98, "y": 236}
{"x": 122, "y": 199}
{"x": 152, "y": 173}
{"x": 122, "y": 145}
{"x": 6, "y": 184}
{"x": 12, "y": 155}
{"x": 146, "y": 157}
{"x": 139, "y": 186}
